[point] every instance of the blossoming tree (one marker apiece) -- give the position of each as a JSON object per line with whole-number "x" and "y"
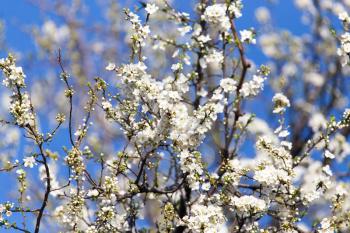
{"x": 159, "y": 120}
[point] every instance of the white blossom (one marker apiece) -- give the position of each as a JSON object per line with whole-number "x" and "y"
{"x": 228, "y": 84}
{"x": 29, "y": 161}
{"x": 216, "y": 14}
{"x": 280, "y": 103}
{"x": 249, "y": 204}
{"x": 214, "y": 58}
{"x": 329, "y": 155}
{"x": 14, "y": 75}
{"x": 110, "y": 66}
{"x": 236, "y": 8}
{"x": 344, "y": 50}
{"x": 205, "y": 218}
{"x": 248, "y": 36}
{"x": 151, "y": 8}
{"x": 253, "y": 87}
{"x": 92, "y": 193}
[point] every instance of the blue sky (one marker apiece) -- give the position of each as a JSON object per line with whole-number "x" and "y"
{"x": 21, "y": 13}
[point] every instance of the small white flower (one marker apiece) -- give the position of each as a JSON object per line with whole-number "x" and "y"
{"x": 249, "y": 204}
{"x": 110, "y": 66}
{"x": 151, "y": 8}
{"x": 248, "y": 36}
{"x": 206, "y": 186}
{"x": 203, "y": 39}
{"x": 20, "y": 172}
{"x": 214, "y": 58}
{"x": 205, "y": 218}
{"x": 78, "y": 133}
{"x": 29, "y": 161}
{"x": 216, "y": 14}
{"x": 92, "y": 193}
{"x": 283, "y": 134}
{"x": 106, "y": 105}
{"x": 8, "y": 213}
{"x": 228, "y": 84}
{"x": 253, "y": 87}
{"x": 236, "y": 8}
{"x": 328, "y": 154}
{"x": 176, "y": 67}
{"x": 281, "y": 102}
{"x": 343, "y": 16}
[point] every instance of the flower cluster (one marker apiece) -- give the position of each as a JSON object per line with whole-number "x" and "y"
{"x": 205, "y": 218}
{"x": 140, "y": 32}
{"x": 14, "y": 76}
{"x": 344, "y": 49}
{"x": 253, "y": 87}
{"x": 20, "y": 106}
{"x": 248, "y": 204}
{"x": 216, "y": 15}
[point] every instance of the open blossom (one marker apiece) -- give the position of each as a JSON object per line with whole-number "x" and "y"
{"x": 249, "y": 204}
{"x": 271, "y": 176}
{"x": 20, "y": 172}
{"x": 106, "y": 105}
{"x": 110, "y": 66}
{"x": 205, "y": 218}
{"x": 252, "y": 87}
{"x": 176, "y": 67}
{"x": 236, "y": 8}
{"x": 151, "y": 8}
{"x": 20, "y": 106}
{"x": 214, "y": 58}
{"x": 280, "y": 103}
{"x": 216, "y": 14}
{"x": 140, "y": 31}
{"x": 29, "y": 161}
{"x": 92, "y": 193}
{"x": 329, "y": 155}
{"x": 228, "y": 84}
{"x": 344, "y": 16}
{"x": 248, "y": 36}
{"x": 203, "y": 39}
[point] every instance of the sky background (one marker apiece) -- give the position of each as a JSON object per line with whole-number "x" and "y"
{"x": 19, "y": 14}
